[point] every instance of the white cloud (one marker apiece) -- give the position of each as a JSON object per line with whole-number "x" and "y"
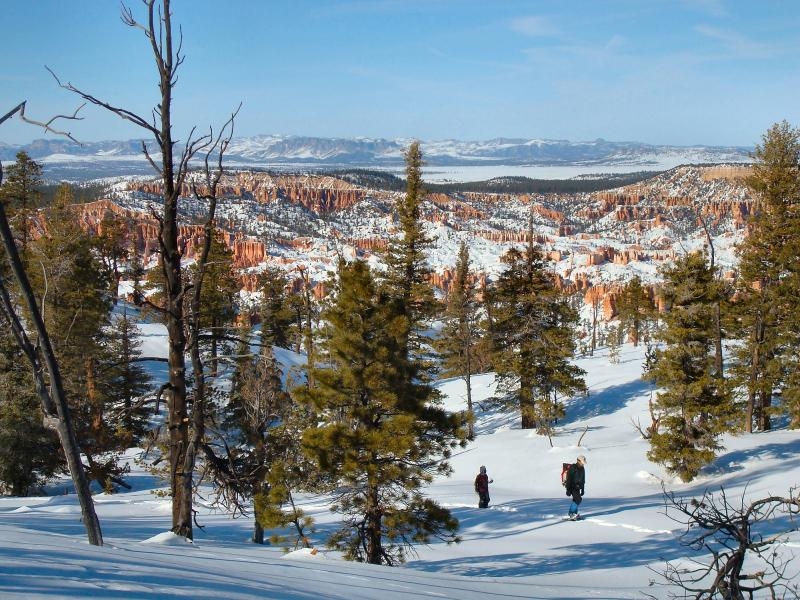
{"x": 534, "y": 26}
{"x": 736, "y": 42}
{"x": 615, "y": 42}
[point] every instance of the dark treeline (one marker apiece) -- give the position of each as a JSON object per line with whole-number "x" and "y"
{"x": 382, "y": 180}
{"x": 87, "y": 192}
{"x": 500, "y": 185}
{"x": 526, "y": 185}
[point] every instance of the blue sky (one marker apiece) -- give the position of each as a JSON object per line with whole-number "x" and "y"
{"x": 683, "y": 72}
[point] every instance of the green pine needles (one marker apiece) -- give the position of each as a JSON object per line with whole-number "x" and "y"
{"x": 533, "y": 331}
{"x": 382, "y": 434}
{"x": 694, "y": 403}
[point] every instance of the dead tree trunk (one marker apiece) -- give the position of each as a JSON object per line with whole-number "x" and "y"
{"x": 172, "y": 171}
{"x": 718, "y": 359}
{"x": 193, "y": 317}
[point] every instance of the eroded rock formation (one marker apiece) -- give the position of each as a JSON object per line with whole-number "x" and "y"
{"x": 641, "y": 223}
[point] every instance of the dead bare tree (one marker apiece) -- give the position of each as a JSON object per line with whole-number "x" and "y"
{"x": 41, "y": 357}
{"x": 655, "y": 419}
{"x": 746, "y": 534}
{"x": 208, "y": 193}
{"x": 172, "y": 171}
{"x": 718, "y": 357}
{"x": 595, "y": 318}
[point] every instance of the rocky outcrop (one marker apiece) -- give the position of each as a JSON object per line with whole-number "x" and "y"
{"x": 512, "y": 236}
{"x": 321, "y": 194}
{"x": 444, "y": 280}
{"x": 583, "y": 234}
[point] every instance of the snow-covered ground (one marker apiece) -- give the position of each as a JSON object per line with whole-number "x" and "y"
{"x": 466, "y": 173}
{"x": 518, "y": 548}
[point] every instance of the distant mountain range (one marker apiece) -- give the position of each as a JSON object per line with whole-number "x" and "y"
{"x": 95, "y": 159}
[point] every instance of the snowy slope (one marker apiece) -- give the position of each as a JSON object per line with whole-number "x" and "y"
{"x": 518, "y": 548}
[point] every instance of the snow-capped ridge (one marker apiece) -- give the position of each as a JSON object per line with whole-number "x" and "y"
{"x": 274, "y": 150}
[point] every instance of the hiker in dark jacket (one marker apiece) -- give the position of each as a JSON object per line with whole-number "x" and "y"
{"x": 482, "y": 482}
{"x": 576, "y": 478}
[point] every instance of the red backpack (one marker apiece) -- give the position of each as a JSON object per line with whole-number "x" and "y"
{"x": 564, "y": 470}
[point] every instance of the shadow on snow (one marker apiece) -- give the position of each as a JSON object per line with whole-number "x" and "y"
{"x": 605, "y": 402}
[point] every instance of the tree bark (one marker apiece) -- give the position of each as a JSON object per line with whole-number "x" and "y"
{"x": 373, "y": 534}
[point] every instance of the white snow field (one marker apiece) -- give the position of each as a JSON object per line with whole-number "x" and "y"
{"x": 517, "y": 548}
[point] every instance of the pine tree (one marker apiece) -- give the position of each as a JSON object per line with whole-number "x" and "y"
{"x": 635, "y": 309}
{"x": 381, "y": 436}
{"x": 29, "y": 452}
{"x": 125, "y": 382}
{"x": 457, "y": 338}
{"x": 44, "y": 366}
{"x": 74, "y": 288}
{"x": 277, "y": 317}
{"x": 694, "y": 405}
{"x": 534, "y": 335}
{"x": 769, "y": 282}
{"x": 217, "y": 299}
{"x": 407, "y": 274}
{"x": 406, "y": 288}
{"x": 257, "y": 419}
{"x": 21, "y": 194}
{"x": 75, "y": 300}
{"x": 288, "y": 470}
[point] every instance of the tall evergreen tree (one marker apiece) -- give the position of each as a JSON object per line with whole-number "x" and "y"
{"x": 769, "y": 282}
{"x": 44, "y": 365}
{"x": 125, "y": 382}
{"x": 381, "y": 436}
{"x": 257, "y": 411}
{"x": 75, "y": 301}
{"x": 407, "y": 275}
{"x": 21, "y": 195}
{"x": 635, "y": 309}
{"x": 693, "y": 403}
{"x": 534, "y": 336}
{"x": 276, "y": 314}
{"x": 406, "y": 291}
{"x": 217, "y": 299}
{"x": 457, "y": 339}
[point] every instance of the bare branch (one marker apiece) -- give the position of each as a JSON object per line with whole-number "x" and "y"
{"x": 735, "y": 539}
{"x": 120, "y": 112}
{"x": 128, "y": 19}
{"x": 580, "y": 439}
{"x": 19, "y": 107}
{"x": 48, "y": 125}
{"x": 149, "y": 158}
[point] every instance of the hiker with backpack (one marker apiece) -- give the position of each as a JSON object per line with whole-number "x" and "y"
{"x": 573, "y": 482}
{"x": 482, "y": 482}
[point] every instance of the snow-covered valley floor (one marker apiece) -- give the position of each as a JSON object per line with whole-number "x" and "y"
{"x": 517, "y": 548}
